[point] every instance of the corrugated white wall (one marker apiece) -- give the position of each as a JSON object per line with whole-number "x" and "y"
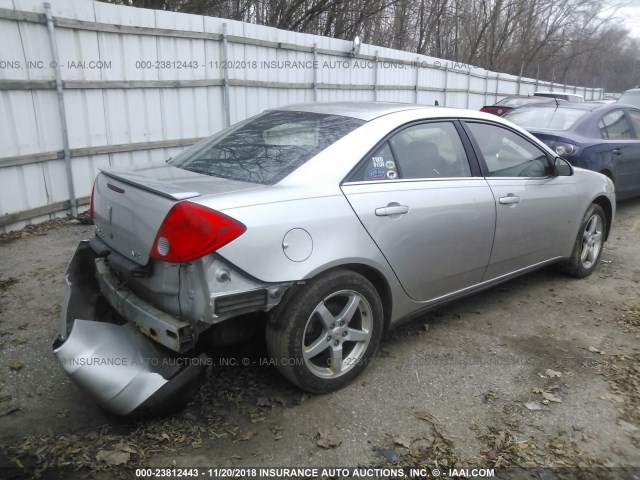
{"x": 140, "y": 108}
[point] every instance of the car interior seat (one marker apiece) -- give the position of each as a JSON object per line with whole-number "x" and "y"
{"x": 421, "y": 159}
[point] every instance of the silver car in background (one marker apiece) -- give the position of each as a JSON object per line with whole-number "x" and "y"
{"x": 334, "y": 222}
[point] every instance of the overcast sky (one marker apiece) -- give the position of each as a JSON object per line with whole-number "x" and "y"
{"x": 630, "y": 13}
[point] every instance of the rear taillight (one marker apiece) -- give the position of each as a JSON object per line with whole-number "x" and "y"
{"x": 93, "y": 192}
{"x": 191, "y": 231}
{"x": 500, "y": 111}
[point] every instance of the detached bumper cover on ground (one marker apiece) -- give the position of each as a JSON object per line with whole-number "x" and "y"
{"x": 118, "y": 366}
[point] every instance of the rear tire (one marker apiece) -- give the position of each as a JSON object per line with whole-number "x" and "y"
{"x": 587, "y": 249}
{"x": 330, "y": 330}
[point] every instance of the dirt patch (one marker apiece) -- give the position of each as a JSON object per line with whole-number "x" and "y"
{"x": 36, "y": 229}
{"x": 538, "y": 376}
{"x": 623, "y": 373}
{"x": 5, "y": 284}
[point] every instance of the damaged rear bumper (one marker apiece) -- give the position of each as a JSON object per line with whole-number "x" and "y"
{"x": 122, "y": 369}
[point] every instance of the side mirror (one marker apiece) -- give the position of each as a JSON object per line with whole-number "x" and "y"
{"x": 563, "y": 168}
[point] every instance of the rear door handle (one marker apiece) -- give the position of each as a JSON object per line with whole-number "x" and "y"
{"x": 616, "y": 151}
{"x": 391, "y": 210}
{"x": 509, "y": 199}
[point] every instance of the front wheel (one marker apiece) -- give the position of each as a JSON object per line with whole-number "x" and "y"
{"x": 330, "y": 331}
{"x": 588, "y": 246}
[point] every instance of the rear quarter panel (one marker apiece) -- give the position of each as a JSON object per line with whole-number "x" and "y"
{"x": 337, "y": 237}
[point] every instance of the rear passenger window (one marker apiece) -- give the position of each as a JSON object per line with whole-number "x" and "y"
{"x": 614, "y": 125}
{"x": 431, "y": 150}
{"x": 381, "y": 165}
{"x": 635, "y": 121}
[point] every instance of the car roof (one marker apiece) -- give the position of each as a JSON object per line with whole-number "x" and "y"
{"x": 590, "y": 106}
{"x": 371, "y": 110}
{"x": 582, "y": 125}
{"x": 362, "y": 110}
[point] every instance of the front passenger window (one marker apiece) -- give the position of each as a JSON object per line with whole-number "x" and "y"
{"x": 507, "y": 154}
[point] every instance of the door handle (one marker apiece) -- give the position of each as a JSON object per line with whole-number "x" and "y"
{"x": 616, "y": 151}
{"x": 391, "y": 210}
{"x": 509, "y": 199}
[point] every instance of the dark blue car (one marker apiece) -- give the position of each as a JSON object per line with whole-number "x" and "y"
{"x": 604, "y": 138}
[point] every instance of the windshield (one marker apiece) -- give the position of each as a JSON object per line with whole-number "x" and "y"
{"x": 547, "y": 118}
{"x": 632, "y": 98}
{"x": 266, "y": 148}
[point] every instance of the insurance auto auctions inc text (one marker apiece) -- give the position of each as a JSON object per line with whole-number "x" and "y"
{"x": 369, "y": 473}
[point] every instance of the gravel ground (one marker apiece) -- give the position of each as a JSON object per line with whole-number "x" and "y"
{"x": 541, "y": 372}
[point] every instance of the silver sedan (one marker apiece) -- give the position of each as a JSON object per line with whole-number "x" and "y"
{"x": 331, "y": 223}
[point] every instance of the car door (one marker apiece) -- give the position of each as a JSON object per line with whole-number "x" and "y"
{"x": 535, "y": 210}
{"x": 622, "y": 148}
{"x": 631, "y": 163}
{"x": 431, "y": 218}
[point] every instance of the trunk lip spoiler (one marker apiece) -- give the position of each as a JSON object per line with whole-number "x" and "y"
{"x": 157, "y": 187}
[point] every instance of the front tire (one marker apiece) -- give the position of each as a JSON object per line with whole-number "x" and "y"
{"x": 329, "y": 331}
{"x": 587, "y": 249}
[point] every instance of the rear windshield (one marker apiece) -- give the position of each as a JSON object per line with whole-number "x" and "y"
{"x": 550, "y": 95}
{"x": 547, "y": 118}
{"x": 266, "y": 148}
{"x": 518, "y": 102}
{"x": 563, "y": 96}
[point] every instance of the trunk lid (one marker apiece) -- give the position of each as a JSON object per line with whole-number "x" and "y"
{"x": 130, "y": 206}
